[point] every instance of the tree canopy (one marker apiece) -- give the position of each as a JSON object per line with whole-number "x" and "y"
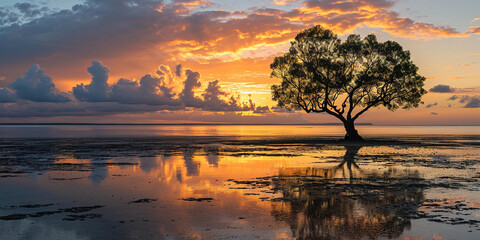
{"x": 321, "y": 73}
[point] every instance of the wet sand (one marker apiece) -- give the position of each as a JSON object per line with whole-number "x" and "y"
{"x": 237, "y": 187}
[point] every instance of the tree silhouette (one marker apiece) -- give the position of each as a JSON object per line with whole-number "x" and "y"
{"x": 320, "y": 73}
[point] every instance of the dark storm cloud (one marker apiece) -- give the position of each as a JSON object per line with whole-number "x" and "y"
{"x": 442, "y": 89}
{"x": 38, "y": 87}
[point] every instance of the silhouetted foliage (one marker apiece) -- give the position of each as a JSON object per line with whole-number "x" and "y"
{"x": 320, "y": 73}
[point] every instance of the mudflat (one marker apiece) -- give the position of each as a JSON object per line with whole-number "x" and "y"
{"x": 224, "y": 187}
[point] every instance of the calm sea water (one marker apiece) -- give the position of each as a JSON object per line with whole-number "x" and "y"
{"x": 55, "y": 131}
{"x": 238, "y": 182}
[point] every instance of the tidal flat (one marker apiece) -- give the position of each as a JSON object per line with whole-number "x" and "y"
{"x": 240, "y": 187}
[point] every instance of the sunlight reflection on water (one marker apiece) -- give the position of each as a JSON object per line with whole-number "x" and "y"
{"x": 37, "y": 131}
{"x": 239, "y": 187}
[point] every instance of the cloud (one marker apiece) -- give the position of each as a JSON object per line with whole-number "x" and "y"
{"x": 471, "y": 101}
{"x": 7, "y": 95}
{"x": 468, "y": 90}
{"x": 179, "y": 70}
{"x": 282, "y": 2}
{"x": 180, "y": 30}
{"x": 282, "y": 110}
{"x": 442, "y": 89}
{"x": 188, "y": 94}
{"x": 434, "y": 113}
{"x": 183, "y": 6}
{"x": 474, "y": 30}
{"x": 262, "y": 109}
{"x": 431, "y": 105}
{"x": 454, "y": 97}
{"x": 349, "y": 6}
{"x": 345, "y": 16}
{"x": 38, "y": 87}
{"x": 214, "y": 100}
{"x": 20, "y": 13}
{"x": 74, "y": 108}
{"x": 150, "y": 90}
{"x": 474, "y": 102}
{"x": 464, "y": 98}
{"x": 28, "y": 10}
{"x": 157, "y": 91}
{"x": 96, "y": 91}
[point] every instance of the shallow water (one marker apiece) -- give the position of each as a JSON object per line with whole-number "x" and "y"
{"x": 244, "y": 186}
{"x": 106, "y": 131}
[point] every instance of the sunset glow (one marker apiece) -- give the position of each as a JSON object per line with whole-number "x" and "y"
{"x": 229, "y": 41}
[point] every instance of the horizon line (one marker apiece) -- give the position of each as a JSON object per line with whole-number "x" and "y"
{"x": 173, "y": 124}
{"x": 227, "y": 124}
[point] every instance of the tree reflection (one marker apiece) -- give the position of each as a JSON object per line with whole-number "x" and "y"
{"x": 318, "y": 205}
{"x": 349, "y": 160}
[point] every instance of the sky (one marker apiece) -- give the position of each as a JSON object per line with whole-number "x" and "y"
{"x": 198, "y": 61}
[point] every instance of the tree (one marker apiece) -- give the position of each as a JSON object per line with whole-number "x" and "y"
{"x": 320, "y": 73}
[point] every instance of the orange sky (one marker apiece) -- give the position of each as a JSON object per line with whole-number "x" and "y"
{"x": 231, "y": 43}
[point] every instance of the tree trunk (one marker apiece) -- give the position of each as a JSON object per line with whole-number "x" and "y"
{"x": 352, "y": 134}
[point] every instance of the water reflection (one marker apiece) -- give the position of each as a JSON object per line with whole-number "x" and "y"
{"x": 148, "y": 164}
{"x": 366, "y": 192}
{"x": 349, "y": 160}
{"x": 213, "y": 154}
{"x": 318, "y": 205}
{"x": 98, "y": 174}
{"x": 193, "y": 167}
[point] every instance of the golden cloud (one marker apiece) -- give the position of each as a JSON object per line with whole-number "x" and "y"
{"x": 474, "y": 30}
